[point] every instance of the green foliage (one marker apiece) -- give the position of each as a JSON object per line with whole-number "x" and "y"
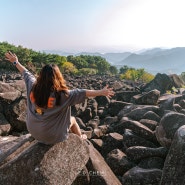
{"x": 135, "y": 74}
{"x": 86, "y": 62}
{"x": 69, "y": 68}
{"x": 182, "y": 76}
{"x": 83, "y": 64}
{"x": 87, "y": 71}
{"x": 113, "y": 70}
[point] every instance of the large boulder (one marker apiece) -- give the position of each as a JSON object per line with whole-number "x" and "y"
{"x": 142, "y": 176}
{"x": 174, "y": 166}
{"x": 148, "y": 98}
{"x": 12, "y": 91}
{"x": 161, "y": 82}
{"x": 177, "y": 81}
{"x": 168, "y": 125}
{"x": 98, "y": 170}
{"x": 30, "y": 162}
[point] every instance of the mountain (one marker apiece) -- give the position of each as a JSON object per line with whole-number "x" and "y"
{"x": 58, "y": 52}
{"x": 156, "y": 60}
{"x": 162, "y": 61}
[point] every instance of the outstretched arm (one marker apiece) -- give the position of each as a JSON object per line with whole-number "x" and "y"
{"x": 13, "y": 59}
{"x": 103, "y": 92}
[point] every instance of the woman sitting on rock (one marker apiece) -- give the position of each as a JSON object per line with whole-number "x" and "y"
{"x": 49, "y": 103}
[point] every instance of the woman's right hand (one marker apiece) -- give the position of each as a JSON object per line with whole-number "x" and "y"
{"x": 11, "y": 57}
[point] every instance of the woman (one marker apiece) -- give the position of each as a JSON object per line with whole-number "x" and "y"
{"x": 49, "y": 103}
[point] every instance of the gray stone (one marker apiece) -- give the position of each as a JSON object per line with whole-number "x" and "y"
{"x": 46, "y": 164}
{"x": 174, "y": 166}
{"x": 140, "y": 176}
{"x": 4, "y": 125}
{"x": 168, "y": 125}
{"x": 118, "y": 162}
{"x": 131, "y": 139}
{"x": 151, "y": 162}
{"x": 140, "y": 111}
{"x": 148, "y": 98}
{"x": 161, "y": 82}
{"x": 99, "y": 171}
{"x": 136, "y": 153}
{"x": 116, "y": 106}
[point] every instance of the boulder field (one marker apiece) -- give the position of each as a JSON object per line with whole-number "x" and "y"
{"x": 134, "y": 138}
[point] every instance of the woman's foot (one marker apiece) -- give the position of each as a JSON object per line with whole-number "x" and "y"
{"x": 84, "y": 136}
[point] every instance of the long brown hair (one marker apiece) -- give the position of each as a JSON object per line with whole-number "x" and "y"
{"x": 50, "y": 79}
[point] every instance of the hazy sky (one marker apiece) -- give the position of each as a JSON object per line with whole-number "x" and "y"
{"x": 93, "y": 25}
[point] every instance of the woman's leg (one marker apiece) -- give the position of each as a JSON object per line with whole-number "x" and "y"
{"x": 74, "y": 128}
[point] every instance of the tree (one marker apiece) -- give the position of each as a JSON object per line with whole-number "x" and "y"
{"x": 113, "y": 70}
{"x": 79, "y": 62}
{"x": 123, "y": 69}
{"x": 137, "y": 75}
{"x": 102, "y": 66}
{"x": 87, "y": 71}
{"x": 69, "y": 68}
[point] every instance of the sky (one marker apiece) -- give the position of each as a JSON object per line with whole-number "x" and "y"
{"x": 93, "y": 25}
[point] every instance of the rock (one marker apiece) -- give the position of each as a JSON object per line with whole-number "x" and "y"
{"x": 98, "y": 170}
{"x": 168, "y": 125}
{"x": 125, "y": 96}
{"x": 148, "y": 98}
{"x": 78, "y": 109}
{"x": 140, "y": 111}
{"x": 136, "y": 153}
{"x": 97, "y": 133}
{"x": 161, "y": 82}
{"x": 4, "y": 125}
{"x": 117, "y": 85}
{"x": 102, "y": 101}
{"x": 167, "y": 105}
{"x": 118, "y": 162}
{"x": 93, "y": 105}
{"x": 93, "y": 123}
{"x": 46, "y": 164}
{"x": 116, "y": 106}
{"x": 151, "y": 162}
{"x": 104, "y": 128}
{"x": 86, "y": 115}
{"x": 83, "y": 177}
{"x": 174, "y": 166}
{"x": 139, "y": 129}
{"x": 182, "y": 103}
{"x": 131, "y": 139}
{"x": 151, "y": 124}
{"x": 137, "y": 176}
{"x": 177, "y": 107}
{"x": 102, "y": 112}
{"x": 152, "y": 116}
{"x": 97, "y": 143}
{"x": 177, "y": 81}
{"x": 81, "y": 123}
{"x": 111, "y": 141}
{"x": 8, "y": 92}
{"x": 127, "y": 109}
{"x": 109, "y": 120}
{"x": 16, "y": 114}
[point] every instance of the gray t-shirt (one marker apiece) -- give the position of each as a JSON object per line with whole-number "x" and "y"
{"x": 52, "y": 126}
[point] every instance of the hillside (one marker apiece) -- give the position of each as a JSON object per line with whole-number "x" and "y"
{"x": 164, "y": 61}
{"x": 155, "y": 60}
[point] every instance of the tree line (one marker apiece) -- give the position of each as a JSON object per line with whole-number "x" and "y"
{"x": 73, "y": 65}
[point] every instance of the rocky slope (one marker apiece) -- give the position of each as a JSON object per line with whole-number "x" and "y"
{"x": 137, "y": 137}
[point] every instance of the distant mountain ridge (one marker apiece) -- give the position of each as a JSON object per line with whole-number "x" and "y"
{"x": 154, "y": 60}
